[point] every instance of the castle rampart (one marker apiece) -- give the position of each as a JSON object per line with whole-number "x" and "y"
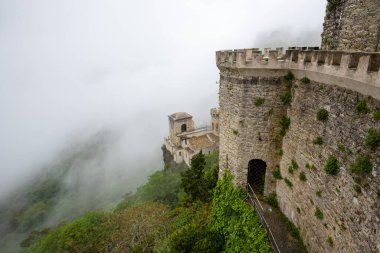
{"x": 358, "y": 71}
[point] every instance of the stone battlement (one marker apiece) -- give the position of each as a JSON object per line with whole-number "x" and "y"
{"x": 357, "y": 71}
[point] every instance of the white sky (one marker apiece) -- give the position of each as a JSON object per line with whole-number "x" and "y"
{"x": 70, "y": 65}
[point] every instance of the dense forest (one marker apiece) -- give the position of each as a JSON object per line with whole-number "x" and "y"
{"x": 179, "y": 209}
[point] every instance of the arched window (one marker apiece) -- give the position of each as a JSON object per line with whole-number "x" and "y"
{"x": 183, "y": 128}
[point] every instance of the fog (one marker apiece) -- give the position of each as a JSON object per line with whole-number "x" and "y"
{"x": 69, "y": 69}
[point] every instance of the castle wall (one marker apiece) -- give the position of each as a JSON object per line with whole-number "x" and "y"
{"x": 352, "y": 25}
{"x": 351, "y": 219}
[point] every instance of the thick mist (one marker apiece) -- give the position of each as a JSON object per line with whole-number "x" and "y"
{"x": 69, "y": 69}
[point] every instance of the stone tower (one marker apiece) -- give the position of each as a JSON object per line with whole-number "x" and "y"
{"x": 352, "y": 25}
{"x": 178, "y": 123}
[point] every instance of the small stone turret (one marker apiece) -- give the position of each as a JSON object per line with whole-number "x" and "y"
{"x": 178, "y": 123}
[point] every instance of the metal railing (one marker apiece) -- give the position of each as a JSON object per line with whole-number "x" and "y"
{"x": 260, "y": 212}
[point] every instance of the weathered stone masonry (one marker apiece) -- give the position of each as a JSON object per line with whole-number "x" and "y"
{"x": 248, "y": 131}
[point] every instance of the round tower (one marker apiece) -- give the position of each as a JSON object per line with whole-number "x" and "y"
{"x": 352, "y": 25}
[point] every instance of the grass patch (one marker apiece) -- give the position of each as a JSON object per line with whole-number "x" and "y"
{"x": 358, "y": 188}
{"x": 280, "y": 152}
{"x": 272, "y": 200}
{"x": 286, "y": 98}
{"x": 376, "y": 115}
{"x": 332, "y": 165}
{"x": 303, "y": 176}
{"x": 362, "y": 164}
{"x": 285, "y": 123}
{"x": 277, "y": 173}
{"x": 305, "y": 80}
{"x": 318, "y": 213}
{"x": 330, "y": 241}
{"x": 288, "y": 183}
{"x": 235, "y": 132}
{"x": 361, "y": 107}
{"x": 319, "y": 194}
{"x": 373, "y": 138}
{"x": 289, "y": 76}
{"x": 322, "y": 115}
{"x": 259, "y": 101}
{"x": 318, "y": 141}
{"x": 295, "y": 165}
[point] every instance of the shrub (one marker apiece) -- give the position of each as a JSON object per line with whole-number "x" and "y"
{"x": 305, "y": 80}
{"x": 235, "y": 132}
{"x": 234, "y": 219}
{"x": 289, "y": 76}
{"x": 288, "y": 183}
{"x": 280, "y": 152}
{"x": 332, "y": 166}
{"x": 323, "y": 115}
{"x": 290, "y": 170}
{"x": 330, "y": 241}
{"x": 361, "y": 107}
{"x": 362, "y": 164}
{"x": 358, "y": 188}
{"x": 295, "y": 165}
{"x": 277, "y": 174}
{"x": 319, "y": 194}
{"x": 318, "y": 213}
{"x": 376, "y": 115}
{"x": 286, "y": 98}
{"x": 302, "y": 176}
{"x": 318, "y": 141}
{"x": 272, "y": 200}
{"x": 285, "y": 123}
{"x": 358, "y": 180}
{"x": 373, "y": 138}
{"x": 259, "y": 101}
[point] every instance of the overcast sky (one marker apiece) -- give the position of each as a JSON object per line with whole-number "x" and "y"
{"x": 72, "y": 66}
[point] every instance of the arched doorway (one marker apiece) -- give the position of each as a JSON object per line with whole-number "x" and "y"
{"x": 256, "y": 175}
{"x": 183, "y": 128}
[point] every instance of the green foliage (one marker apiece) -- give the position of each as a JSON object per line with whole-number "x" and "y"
{"x": 332, "y": 166}
{"x": 290, "y": 170}
{"x": 294, "y": 165}
{"x": 322, "y": 115}
{"x": 259, "y": 101}
{"x": 373, "y": 138}
{"x": 81, "y": 235}
{"x": 289, "y": 76}
{"x": 193, "y": 181}
{"x": 272, "y": 200}
{"x": 288, "y": 183}
{"x": 330, "y": 241}
{"x": 193, "y": 233}
{"x": 277, "y": 173}
{"x": 331, "y": 6}
{"x": 162, "y": 186}
{"x": 318, "y": 141}
{"x": 285, "y": 123}
{"x": 302, "y": 176}
{"x": 361, "y": 107}
{"x": 235, "y": 220}
{"x": 199, "y": 180}
{"x": 362, "y": 164}
{"x": 34, "y": 215}
{"x": 295, "y": 233}
{"x": 235, "y": 132}
{"x": 319, "y": 194}
{"x": 358, "y": 188}
{"x": 286, "y": 98}
{"x": 280, "y": 152}
{"x": 376, "y": 115}
{"x": 305, "y": 80}
{"x": 318, "y": 213}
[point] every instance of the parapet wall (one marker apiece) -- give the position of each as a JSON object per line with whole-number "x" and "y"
{"x": 358, "y": 71}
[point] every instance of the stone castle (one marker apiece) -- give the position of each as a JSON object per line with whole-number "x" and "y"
{"x": 185, "y": 140}
{"x": 272, "y": 131}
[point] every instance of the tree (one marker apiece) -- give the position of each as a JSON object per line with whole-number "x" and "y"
{"x": 193, "y": 180}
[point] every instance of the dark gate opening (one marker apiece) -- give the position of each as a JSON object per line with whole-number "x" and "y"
{"x": 183, "y": 128}
{"x": 256, "y": 175}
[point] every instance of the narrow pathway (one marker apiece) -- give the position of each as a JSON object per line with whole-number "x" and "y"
{"x": 276, "y": 225}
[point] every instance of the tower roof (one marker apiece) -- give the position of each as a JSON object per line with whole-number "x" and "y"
{"x": 180, "y": 115}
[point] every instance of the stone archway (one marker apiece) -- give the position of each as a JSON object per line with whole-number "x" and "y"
{"x": 256, "y": 175}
